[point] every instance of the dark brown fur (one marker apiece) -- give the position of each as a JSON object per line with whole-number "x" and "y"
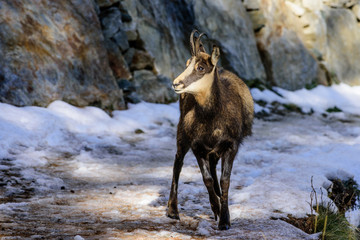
{"x": 213, "y": 126}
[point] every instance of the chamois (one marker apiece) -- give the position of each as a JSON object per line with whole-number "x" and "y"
{"x": 216, "y": 113}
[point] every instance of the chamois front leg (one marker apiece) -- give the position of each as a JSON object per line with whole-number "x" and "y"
{"x": 226, "y": 167}
{"x": 204, "y": 166}
{"x": 172, "y": 210}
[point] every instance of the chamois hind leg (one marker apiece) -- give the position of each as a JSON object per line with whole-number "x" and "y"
{"x": 208, "y": 180}
{"x": 213, "y": 160}
{"x": 226, "y": 167}
{"x": 182, "y": 149}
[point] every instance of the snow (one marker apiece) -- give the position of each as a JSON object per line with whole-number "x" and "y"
{"x": 99, "y": 176}
{"x": 319, "y": 99}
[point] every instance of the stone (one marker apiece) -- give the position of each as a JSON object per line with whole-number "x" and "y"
{"x": 106, "y": 3}
{"x": 141, "y": 60}
{"x": 289, "y": 64}
{"x": 133, "y": 97}
{"x": 121, "y": 40}
{"x": 125, "y": 16}
{"x": 258, "y": 20}
{"x": 343, "y": 45}
{"x": 351, "y": 3}
{"x": 132, "y": 35}
{"x": 126, "y": 85}
{"x": 314, "y": 33}
{"x": 111, "y": 21}
{"x": 252, "y": 4}
{"x": 128, "y": 55}
{"x": 55, "y": 51}
{"x": 313, "y": 5}
{"x": 337, "y": 3}
{"x": 116, "y": 60}
{"x": 296, "y": 9}
{"x": 151, "y": 89}
{"x": 131, "y": 31}
{"x": 356, "y": 11}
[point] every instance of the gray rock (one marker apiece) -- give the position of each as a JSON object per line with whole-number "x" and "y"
{"x": 128, "y": 55}
{"x": 289, "y": 64}
{"x": 116, "y": 60}
{"x": 151, "y": 88}
{"x": 141, "y": 60}
{"x": 228, "y": 23}
{"x": 340, "y": 3}
{"x": 126, "y": 85}
{"x": 133, "y": 97}
{"x": 125, "y": 16}
{"x": 106, "y": 3}
{"x": 343, "y": 45}
{"x": 258, "y": 20}
{"x": 356, "y": 11}
{"x": 132, "y": 35}
{"x": 111, "y": 22}
{"x": 313, "y": 5}
{"x": 252, "y": 4}
{"x": 47, "y": 56}
{"x": 121, "y": 40}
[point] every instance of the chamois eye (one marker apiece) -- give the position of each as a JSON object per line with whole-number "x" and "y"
{"x": 199, "y": 68}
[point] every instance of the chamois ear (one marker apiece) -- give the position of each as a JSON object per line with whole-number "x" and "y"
{"x": 215, "y": 55}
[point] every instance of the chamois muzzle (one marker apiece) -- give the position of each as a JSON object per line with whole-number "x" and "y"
{"x": 175, "y": 86}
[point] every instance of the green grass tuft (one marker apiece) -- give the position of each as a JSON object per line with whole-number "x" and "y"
{"x": 333, "y": 109}
{"x": 336, "y": 225}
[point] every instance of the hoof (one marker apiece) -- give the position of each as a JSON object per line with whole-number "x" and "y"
{"x": 172, "y": 215}
{"x": 224, "y": 226}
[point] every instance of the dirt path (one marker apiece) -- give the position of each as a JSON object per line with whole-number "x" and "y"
{"x": 100, "y": 190}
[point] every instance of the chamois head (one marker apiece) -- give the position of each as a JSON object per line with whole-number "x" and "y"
{"x": 200, "y": 68}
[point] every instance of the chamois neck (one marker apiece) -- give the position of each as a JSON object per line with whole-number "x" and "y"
{"x": 206, "y": 98}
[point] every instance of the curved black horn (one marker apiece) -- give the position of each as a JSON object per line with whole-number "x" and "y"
{"x": 192, "y": 43}
{"x": 199, "y": 45}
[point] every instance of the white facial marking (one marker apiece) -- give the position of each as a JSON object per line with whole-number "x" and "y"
{"x": 183, "y": 75}
{"x": 202, "y": 84}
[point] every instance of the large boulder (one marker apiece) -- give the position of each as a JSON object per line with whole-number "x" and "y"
{"x": 342, "y": 55}
{"x": 288, "y": 63}
{"x": 228, "y": 23}
{"x": 54, "y": 50}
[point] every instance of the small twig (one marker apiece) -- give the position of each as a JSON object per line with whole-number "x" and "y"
{"x": 312, "y": 196}
{"x": 313, "y": 191}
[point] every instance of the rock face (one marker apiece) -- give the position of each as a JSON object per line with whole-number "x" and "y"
{"x": 132, "y": 64}
{"x": 304, "y": 42}
{"x": 54, "y": 50}
{"x": 287, "y": 62}
{"x": 100, "y": 52}
{"x": 165, "y": 27}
